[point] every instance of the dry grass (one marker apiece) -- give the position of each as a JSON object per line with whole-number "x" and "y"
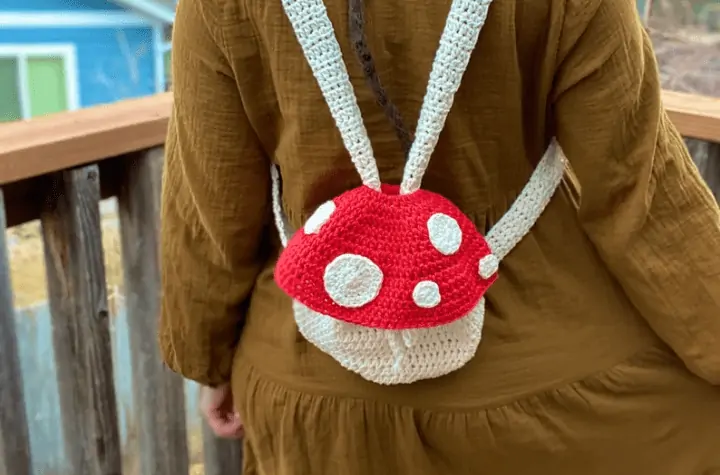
{"x": 131, "y": 461}
{"x": 27, "y": 265}
{"x": 27, "y": 268}
{"x": 689, "y": 60}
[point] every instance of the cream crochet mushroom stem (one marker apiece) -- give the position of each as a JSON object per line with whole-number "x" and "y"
{"x": 394, "y": 356}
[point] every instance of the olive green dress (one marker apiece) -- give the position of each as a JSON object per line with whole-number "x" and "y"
{"x": 601, "y": 347}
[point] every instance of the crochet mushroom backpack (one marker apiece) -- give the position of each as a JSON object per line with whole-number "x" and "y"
{"x": 390, "y": 280}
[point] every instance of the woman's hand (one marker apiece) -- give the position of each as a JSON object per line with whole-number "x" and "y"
{"x": 216, "y": 405}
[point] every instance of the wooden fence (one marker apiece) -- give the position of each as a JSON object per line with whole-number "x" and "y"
{"x": 57, "y": 169}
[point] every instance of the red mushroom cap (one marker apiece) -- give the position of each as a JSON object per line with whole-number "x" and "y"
{"x": 387, "y": 261}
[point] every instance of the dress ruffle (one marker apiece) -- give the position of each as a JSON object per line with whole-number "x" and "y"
{"x": 645, "y": 415}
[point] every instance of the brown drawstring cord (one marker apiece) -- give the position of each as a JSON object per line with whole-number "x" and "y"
{"x": 362, "y": 52}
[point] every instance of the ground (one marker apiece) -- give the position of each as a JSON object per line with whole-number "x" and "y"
{"x": 689, "y": 60}
{"x": 27, "y": 266}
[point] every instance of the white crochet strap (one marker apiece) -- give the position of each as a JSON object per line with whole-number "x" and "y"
{"x": 316, "y": 36}
{"x": 531, "y": 203}
{"x": 462, "y": 29}
{"x": 281, "y": 222}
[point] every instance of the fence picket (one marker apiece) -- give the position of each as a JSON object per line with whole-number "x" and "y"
{"x": 80, "y": 321}
{"x": 14, "y": 439}
{"x": 158, "y": 395}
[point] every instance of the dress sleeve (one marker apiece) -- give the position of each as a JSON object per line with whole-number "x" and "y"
{"x": 643, "y": 203}
{"x": 214, "y": 203}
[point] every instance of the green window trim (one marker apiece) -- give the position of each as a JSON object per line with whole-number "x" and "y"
{"x": 10, "y": 101}
{"x": 32, "y": 84}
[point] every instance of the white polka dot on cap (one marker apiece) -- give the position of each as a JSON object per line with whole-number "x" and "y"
{"x": 426, "y": 294}
{"x": 319, "y": 218}
{"x": 445, "y": 234}
{"x": 352, "y": 281}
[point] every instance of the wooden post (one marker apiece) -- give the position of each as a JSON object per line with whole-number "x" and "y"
{"x": 706, "y": 156}
{"x": 81, "y": 338}
{"x": 14, "y": 439}
{"x": 157, "y": 392}
{"x": 221, "y": 456}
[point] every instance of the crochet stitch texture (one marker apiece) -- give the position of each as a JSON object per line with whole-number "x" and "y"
{"x": 390, "y": 280}
{"x": 395, "y": 241}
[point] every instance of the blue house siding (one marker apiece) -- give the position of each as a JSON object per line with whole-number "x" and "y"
{"x": 113, "y": 64}
{"x": 55, "y": 5}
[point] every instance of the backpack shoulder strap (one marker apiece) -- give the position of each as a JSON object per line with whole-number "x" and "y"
{"x": 316, "y": 36}
{"x": 530, "y": 204}
{"x": 462, "y": 30}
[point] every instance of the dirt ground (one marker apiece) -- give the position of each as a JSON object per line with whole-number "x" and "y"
{"x": 131, "y": 461}
{"x": 27, "y": 267}
{"x": 689, "y": 60}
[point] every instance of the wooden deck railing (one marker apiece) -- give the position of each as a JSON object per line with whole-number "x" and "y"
{"x": 57, "y": 169}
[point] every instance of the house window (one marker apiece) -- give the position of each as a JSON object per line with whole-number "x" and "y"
{"x": 34, "y": 81}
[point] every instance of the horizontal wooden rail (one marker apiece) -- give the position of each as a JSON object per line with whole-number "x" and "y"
{"x": 66, "y": 140}
{"x": 68, "y": 206}
{"x": 696, "y": 117}
{"x": 70, "y": 139}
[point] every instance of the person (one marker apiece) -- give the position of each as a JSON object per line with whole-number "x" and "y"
{"x": 600, "y": 349}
